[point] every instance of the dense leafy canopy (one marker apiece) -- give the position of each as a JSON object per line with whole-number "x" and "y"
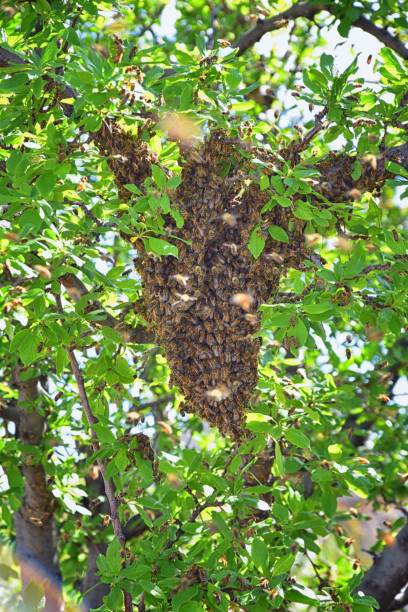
{"x": 257, "y": 524}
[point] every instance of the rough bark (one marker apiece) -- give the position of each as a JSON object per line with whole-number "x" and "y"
{"x": 389, "y": 573}
{"x": 309, "y": 10}
{"x": 36, "y": 543}
{"x": 92, "y": 588}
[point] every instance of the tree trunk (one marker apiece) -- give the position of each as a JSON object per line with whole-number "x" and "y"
{"x": 36, "y": 542}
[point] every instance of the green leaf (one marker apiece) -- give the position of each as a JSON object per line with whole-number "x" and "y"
{"x": 113, "y": 556}
{"x": 241, "y": 107}
{"x": 317, "y": 308}
{"x": 285, "y": 203}
{"x": 296, "y": 437}
{"x": 278, "y": 466}
{"x": 14, "y": 477}
{"x": 299, "y": 597}
{"x": 30, "y": 221}
{"x": 144, "y": 468}
{"x": 133, "y": 188}
{"x": 186, "y": 97}
{"x": 121, "y": 460}
{"x": 327, "y": 65}
{"x": 183, "y": 597}
{"x": 173, "y": 182}
{"x": 392, "y": 62}
{"x": 159, "y": 177}
{"x": 277, "y": 184}
{"x": 137, "y": 570}
{"x": 264, "y": 182}
{"x": 256, "y": 242}
{"x": 396, "y": 169}
{"x": 329, "y": 500}
{"x": 61, "y": 359}
{"x": 280, "y": 512}
{"x": 161, "y": 247}
{"x": 301, "y": 332}
{"x": 13, "y": 84}
{"x": 357, "y": 170}
{"x": 104, "y": 433}
{"x": 283, "y": 564}
{"x": 260, "y": 554}
{"x": 278, "y": 233}
{"x": 27, "y": 343}
{"x": 335, "y": 450}
{"x": 123, "y": 369}
{"x": 303, "y": 211}
{"x": 200, "y": 43}
{"x": 111, "y": 334}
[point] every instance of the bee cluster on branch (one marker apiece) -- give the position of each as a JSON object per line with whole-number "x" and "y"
{"x": 202, "y": 306}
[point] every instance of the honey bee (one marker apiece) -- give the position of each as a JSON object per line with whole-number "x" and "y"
{"x": 244, "y": 300}
{"x": 233, "y": 248}
{"x": 229, "y": 219}
{"x": 181, "y": 279}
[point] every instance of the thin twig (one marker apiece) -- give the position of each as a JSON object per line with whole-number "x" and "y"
{"x": 93, "y": 217}
{"x": 318, "y": 126}
{"x": 196, "y": 512}
{"x": 108, "y": 484}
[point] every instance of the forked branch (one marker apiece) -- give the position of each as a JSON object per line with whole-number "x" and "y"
{"x": 309, "y": 11}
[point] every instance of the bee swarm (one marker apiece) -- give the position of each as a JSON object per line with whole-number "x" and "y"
{"x": 202, "y": 306}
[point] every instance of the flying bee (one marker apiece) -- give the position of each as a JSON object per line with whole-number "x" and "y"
{"x": 244, "y": 300}
{"x": 232, "y": 247}
{"x": 275, "y": 257}
{"x": 229, "y": 219}
{"x": 184, "y": 298}
{"x": 252, "y": 319}
{"x": 181, "y": 279}
{"x": 219, "y": 393}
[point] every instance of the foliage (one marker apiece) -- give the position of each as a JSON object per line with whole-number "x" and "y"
{"x": 222, "y": 525}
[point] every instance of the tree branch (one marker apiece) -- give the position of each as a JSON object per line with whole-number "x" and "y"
{"x": 389, "y": 573}
{"x": 308, "y": 11}
{"x": 399, "y": 604}
{"x": 108, "y": 484}
{"x": 300, "y": 9}
{"x": 36, "y": 542}
{"x": 383, "y": 35}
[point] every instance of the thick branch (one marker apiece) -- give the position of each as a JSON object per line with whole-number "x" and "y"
{"x": 399, "y": 604}
{"x": 7, "y": 58}
{"x": 308, "y": 11}
{"x": 300, "y": 9}
{"x": 389, "y": 573}
{"x": 383, "y": 35}
{"x": 36, "y": 543}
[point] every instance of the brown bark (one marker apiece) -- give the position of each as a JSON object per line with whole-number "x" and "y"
{"x": 36, "y": 543}
{"x": 389, "y": 573}
{"x": 309, "y": 10}
{"x": 92, "y": 588}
